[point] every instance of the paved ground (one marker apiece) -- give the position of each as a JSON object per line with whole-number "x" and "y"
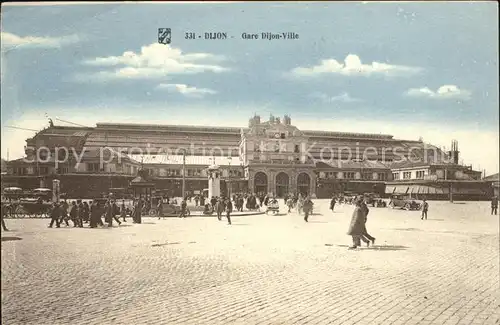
{"x": 261, "y": 270}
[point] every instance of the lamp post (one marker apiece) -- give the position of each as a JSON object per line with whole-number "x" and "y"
{"x": 229, "y": 159}
{"x": 183, "y": 173}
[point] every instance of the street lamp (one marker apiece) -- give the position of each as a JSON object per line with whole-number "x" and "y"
{"x": 183, "y": 173}
{"x": 229, "y": 159}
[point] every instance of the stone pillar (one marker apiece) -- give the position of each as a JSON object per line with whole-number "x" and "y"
{"x": 313, "y": 185}
{"x": 271, "y": 181}
{"x": 213, "y": 181}
{"x": 56, "y": 194}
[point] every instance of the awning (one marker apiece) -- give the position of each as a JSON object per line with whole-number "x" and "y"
{"x": 390, "y": 189}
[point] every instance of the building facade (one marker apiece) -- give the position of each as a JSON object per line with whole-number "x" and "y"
{"x": 272, "y": 156}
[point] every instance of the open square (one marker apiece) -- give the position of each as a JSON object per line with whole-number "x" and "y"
{"x": 263, "y": 269}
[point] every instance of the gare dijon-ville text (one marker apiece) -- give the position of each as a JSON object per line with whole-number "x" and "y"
{"x": 246, "y": 36}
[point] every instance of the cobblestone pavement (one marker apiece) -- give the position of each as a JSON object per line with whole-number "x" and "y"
{"x": 261, "y": 270}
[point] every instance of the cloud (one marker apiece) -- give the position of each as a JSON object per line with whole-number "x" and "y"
{"x": 443, "y": 92}
{"x": 154, "y": 61}
{"x": 186, "y": 90}
{"x": 11, "y": 41}
{"x": 352, "y": 66}
{"x": 344, "y": 97}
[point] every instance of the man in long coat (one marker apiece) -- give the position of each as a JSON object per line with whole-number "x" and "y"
{"x": 357, "y": 227}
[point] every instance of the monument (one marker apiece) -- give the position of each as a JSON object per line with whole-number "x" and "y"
{"x": 213, "y": 181}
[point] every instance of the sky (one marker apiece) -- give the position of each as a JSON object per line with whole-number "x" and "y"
{"x": 413, "y": 70}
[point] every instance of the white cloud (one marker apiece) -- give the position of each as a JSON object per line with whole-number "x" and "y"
{"x": 443, "y": 92}
{"x": 10, "y": 41}
{"x": 344, "y": 97}
{"x": 186, "y": 90}
{"x": 352, "y": 66}
{"x": 154, "y": 61}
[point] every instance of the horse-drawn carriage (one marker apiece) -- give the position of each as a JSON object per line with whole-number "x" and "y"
{"x": 170, "y": 209}
{"x": 26, "y": 204}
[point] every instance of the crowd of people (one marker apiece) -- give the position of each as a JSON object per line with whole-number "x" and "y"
{"x": 81, "y": 212}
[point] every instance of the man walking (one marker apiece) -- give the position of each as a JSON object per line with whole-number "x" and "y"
{"x": 357, "y": 227}
{"x": 55, "y": 215}
{"x": 425, "y": 208}
{"x": 494, "y": 205}
{"x": 365, "y": 210}
{"x": 229, "y": 209}
{"x": 332, "y": 203}
{"x": 307, "y": 208}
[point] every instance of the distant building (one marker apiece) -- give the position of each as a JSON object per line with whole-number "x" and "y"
{"x": 495, "y": 183}
{"x": 271, "y": 156}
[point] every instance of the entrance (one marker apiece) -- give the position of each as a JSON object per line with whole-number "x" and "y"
{"x": 303, "y": 184}
{"x": 282, "y": 181}
{"x": 260, "y": 183}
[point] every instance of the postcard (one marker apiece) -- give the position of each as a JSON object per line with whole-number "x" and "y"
{"x": 249, "y": 163}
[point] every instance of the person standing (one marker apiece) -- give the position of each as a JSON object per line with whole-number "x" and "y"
{"x": 4, "y": 212}
{"x": 425, "y": 208}
{"x": 94, "y": 211}
{"x": 494, "y": 205}
{"x": 229, "y": 209}
{"x": 183, "y": 209}
{"x": 307, "y": 208}
{"x": 332, "y": 203}
{"x": 123, "y": 211}
{"x": 219, "y": 207}
{"x": 55, "y": 215}
{"x": 159, "y": 208}
{"x": 357, "y": 226}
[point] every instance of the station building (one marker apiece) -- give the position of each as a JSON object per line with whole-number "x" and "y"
{"x": 272, "y": 156}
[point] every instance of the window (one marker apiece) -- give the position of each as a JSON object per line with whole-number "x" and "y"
{"x": 382, "y": 176}
{"x": 283, "y": 135}
{"x": 406, "y": 175}
{"x": 276, "y": 146}
{"x": 331, "y": 175}
{"x": 257, "y": 147}
{"x": 395, "y": 176}
{"x": 349, "y": 175}
{"x": 367, "y": 175}
{"x": 420, "y": 174}
{"x": 93, "y": 167}
{"x": 63, "y": 170}
{"x": 173, "y": 172}
{"x": 296, "y": 149}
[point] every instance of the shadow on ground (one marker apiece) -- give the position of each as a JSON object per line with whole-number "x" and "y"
{"x": 377, "y": 247}
{"x": 407, "y": 229}
{"x": 11, "y": 238}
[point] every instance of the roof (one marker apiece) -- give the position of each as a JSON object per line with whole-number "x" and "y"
{"x": 494, "y": 177}
{"x": 190, "y": 160}
{"x": 350, "y": 164}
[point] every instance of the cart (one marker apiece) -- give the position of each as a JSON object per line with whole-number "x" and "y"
{"x": 273, "y": 207}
